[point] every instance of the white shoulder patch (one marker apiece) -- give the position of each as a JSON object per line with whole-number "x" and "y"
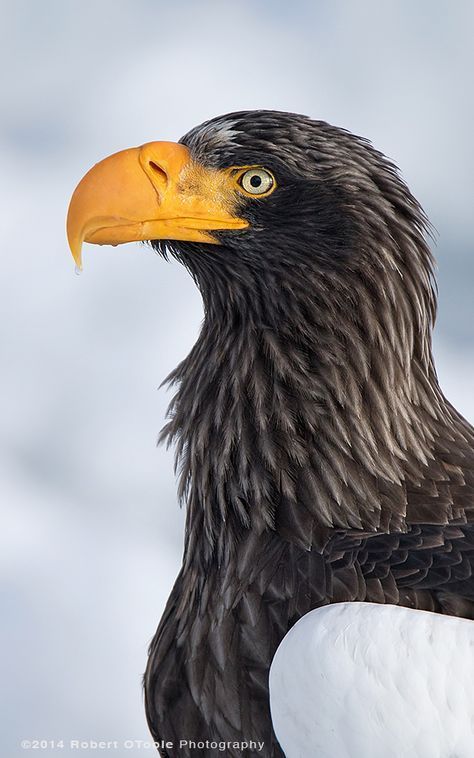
{"x": 360, "y": 680}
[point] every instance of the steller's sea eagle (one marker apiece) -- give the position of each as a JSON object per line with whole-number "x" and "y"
{"x": 319, "y": 460}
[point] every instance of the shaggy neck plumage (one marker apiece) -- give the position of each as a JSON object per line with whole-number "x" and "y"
{"x": 305, "y": 392}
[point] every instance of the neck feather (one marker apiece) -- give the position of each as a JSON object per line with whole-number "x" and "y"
{"x": 306, "y": 387}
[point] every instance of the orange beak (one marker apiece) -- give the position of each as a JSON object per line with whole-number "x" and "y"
{"x": 151, "y": 192}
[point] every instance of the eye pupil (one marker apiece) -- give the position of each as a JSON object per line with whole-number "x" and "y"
{"x": 256, "y": 180}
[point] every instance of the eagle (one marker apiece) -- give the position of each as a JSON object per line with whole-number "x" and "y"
{"x": 318, "y": 458}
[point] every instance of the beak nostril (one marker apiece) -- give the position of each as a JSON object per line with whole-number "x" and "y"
{"x": 158, "y": 171}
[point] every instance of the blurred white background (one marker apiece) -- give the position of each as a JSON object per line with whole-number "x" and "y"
{"x": 92, "y": 533}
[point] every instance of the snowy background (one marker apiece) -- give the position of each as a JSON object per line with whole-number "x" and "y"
{"x": 92, "y": 532}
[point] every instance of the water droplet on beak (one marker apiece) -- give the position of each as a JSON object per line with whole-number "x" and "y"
{"x": 78, "y": 270}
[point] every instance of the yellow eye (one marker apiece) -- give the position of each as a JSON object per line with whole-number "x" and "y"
{"x": 257, "y": 181}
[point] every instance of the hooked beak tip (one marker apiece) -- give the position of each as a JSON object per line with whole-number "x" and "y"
{"x": 76, "y": 250}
